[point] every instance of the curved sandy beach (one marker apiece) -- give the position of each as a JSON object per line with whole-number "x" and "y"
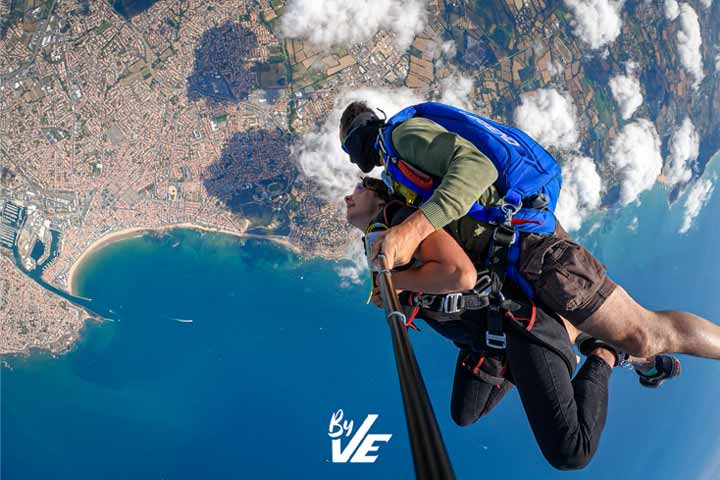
{"x": 138, "y": 231}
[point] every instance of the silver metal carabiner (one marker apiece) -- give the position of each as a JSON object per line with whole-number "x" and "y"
{"x": 509, "y": 210}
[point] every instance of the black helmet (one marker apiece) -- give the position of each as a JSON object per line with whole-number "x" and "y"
{"x": 359, "y": 141}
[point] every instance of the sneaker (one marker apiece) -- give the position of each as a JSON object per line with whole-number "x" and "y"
{"x": 587, "y": 344}
{"x": 666, "y": 368}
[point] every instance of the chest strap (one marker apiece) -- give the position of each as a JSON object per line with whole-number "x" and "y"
{"x": 456, "y": 302}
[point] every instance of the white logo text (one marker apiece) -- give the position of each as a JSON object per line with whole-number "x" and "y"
{"x": 360, "y": 446}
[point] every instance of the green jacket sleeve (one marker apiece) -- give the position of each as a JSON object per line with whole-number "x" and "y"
{"x": 466, "y": 174}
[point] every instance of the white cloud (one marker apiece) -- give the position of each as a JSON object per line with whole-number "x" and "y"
{"x": 672, "y": 9}
{"x": 706, "y": 3}
{"x": 549, "y": 117}
{"x": 684, "y": 149}
{"x": 456, "y": 90}
{"x": 444, "y": 54}
{"x": 448, "y": 48}
{"x": 321, "y": 160}
{"x": 341, "y": 22}
{"x": 696, "y": 200}
{"x": 717, "y": 62}
{"x": 318, "y": 154}
{"x": 689, "y": 42}
{"x": 555, "y": 68}
{"x": 635, "y": 157}
{"x": 627, "y": 93}
{"x": 353, "y": 267}
{"x": 597, "y": 22}
{"x": 580, "y": 194}
{"x": 634, "y": 224}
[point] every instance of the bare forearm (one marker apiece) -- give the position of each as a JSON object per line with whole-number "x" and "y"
{"x": 400, "y": 242}
{"x": 434, "y": 278}
{"x": 418, "y": 226}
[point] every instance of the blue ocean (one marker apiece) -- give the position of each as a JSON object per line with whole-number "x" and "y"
{"x": 229, "y": 356}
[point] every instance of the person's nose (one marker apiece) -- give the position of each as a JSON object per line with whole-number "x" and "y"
{"x": 347, "y": 199}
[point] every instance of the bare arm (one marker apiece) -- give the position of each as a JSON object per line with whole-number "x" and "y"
{"x": 400, "y": 242}
{"x": 445, "y": 267}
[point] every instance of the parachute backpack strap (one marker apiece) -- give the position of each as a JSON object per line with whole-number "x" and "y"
{"x": 504, "y": 236}
{"x": 499, "y": 255}
{"x": 383, "y": 142}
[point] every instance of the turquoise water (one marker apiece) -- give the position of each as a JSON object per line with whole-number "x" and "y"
{"x": 275, "y": 346}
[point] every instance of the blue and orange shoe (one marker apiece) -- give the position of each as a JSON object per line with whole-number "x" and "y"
{"x": 666, "y": 368}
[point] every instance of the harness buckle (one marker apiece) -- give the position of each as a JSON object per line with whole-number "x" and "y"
{"x": 452, "y": 303}
{"x": 484, "y": 280}
{"x": 506, "y": 235}
{"x": 498, "y": 342}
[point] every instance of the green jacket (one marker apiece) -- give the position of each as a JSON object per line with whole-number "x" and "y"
{"x": 466, "y": 176}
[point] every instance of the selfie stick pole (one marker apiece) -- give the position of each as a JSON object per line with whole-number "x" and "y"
{"x": 429, "y": 454}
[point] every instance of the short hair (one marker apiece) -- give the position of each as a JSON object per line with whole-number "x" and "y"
{"x": 351, "y": 112}
{"x": 378, "y": 187}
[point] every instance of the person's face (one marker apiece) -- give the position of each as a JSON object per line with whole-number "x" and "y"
{"x": 362, "y": 206}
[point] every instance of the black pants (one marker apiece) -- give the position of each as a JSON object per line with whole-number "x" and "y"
{"x": 567, "y": 416}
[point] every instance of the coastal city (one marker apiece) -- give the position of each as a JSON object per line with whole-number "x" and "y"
{"x": 189, "y": 113}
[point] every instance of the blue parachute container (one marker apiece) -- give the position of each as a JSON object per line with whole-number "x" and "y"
{"x": 525, "y": 169}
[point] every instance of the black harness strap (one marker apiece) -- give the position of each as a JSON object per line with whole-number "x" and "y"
{"x": 451, "y": 303}
{"x": 497, "y": 262}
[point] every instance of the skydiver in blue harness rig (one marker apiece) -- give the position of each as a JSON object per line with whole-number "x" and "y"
{"x": 494, "y": 190}
{"x": 535, "y": 353}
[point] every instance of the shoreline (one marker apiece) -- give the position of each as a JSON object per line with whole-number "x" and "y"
{"x": 139, "y": 231}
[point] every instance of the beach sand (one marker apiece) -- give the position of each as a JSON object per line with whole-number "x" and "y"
{"x": 139, "y": 231}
